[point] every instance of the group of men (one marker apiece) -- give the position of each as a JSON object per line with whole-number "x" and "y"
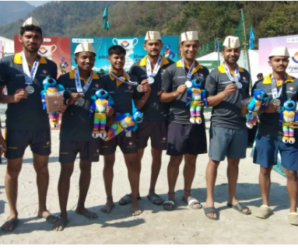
{"x": 161, "y": 95}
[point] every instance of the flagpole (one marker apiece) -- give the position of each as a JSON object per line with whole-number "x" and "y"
{"x": 243, "y": 21}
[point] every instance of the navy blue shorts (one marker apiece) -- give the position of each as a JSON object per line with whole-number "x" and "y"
{"x": 157, "y": 131}
{"x": 186, "y": 139}
{"x": 266, "y": 152}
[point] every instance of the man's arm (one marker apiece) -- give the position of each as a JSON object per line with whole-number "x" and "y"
{"x": 146, "y": 89}
{"x": 215, "y": 98}
{"x": 171, "y": 96}
{"x": 19, "y": 94}
{"x": 167, "y": 94}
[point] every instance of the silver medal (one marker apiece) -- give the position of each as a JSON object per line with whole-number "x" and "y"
{"x": 150, "y": 80}
{"x": 80, "y": 102}
{"x": 239, "y": 85}
{"x": 30, "y": 89}
{"x": 188, "y": 84}
{"x": 139, "y": 88}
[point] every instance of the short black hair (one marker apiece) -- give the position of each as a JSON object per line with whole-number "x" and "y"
{"x": 30, "y": 28}
{"x": 260, "y": 75}
{"x": 116, "y": 50}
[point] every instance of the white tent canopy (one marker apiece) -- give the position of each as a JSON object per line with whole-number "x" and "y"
{"x": 253, "y": 61}
{"x": 8, "y": 46}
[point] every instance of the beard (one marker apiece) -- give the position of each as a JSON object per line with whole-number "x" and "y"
{"x": 31, "y": 50}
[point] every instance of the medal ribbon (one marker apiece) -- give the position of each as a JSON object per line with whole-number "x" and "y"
{"x": 237, "y": 74}
{"x": 156, "y": 68}
{"x": 29, "y": 76}
{"x": 189, "y": 74}
{"x": 79, "y": 84}
{"x": 275, "y": 93}
{"x": 127, "y": 81}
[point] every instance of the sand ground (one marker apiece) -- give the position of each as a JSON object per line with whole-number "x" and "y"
{"x": 154, "y": 225}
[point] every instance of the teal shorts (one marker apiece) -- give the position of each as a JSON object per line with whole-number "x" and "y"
{"x": 227, "y": 142}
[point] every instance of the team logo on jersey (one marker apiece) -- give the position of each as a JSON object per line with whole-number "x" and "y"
{"x": 48, "y": 142}
{"x": 44, "y": 71}
{"x": 130, "y": 143}
{"x": 97, "y": 85}
{"x": 164, "y": 138}
{"x": 97, "y": 150}
{"x": 291, "y": 88}
{"x": 129, "y": 86}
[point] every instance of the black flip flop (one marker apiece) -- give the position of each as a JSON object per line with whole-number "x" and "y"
{"x": 128, "y": 199}
{"x": 169, "y": 202}
{"x": 154, "y": 197}
{"x": 239, "y": 207}
{"x": 8, "y": 223}
{"x": 211, "y": 210}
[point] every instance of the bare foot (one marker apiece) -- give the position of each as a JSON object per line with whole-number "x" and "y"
{"x": 48, "y": 216}
{"x": 60, "y": 224}
{"x": 88, "y": 214}
{"x": 108, "y": 207}
{"x": 135, "y": 208}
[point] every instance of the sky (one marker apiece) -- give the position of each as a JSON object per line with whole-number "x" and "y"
{"x": 37, "y": 3}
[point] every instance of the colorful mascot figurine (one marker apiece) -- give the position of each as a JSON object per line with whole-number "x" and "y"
{"x": 98, "y": 107}
{"x": 50, "y": 86}
{"x": 194, "y": 95}
{"x": 125, "y": 123}
{"x": 256, "y": 103}
{"x": 287, "y": 118}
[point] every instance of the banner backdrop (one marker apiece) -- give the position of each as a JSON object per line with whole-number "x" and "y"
{"x": 53, "y": 48}
{"x": 210, "y": 64}
{"x": 133, "y": 46}
{"x": 267, "y": 44}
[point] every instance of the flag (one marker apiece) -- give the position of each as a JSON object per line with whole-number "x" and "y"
{"x": 251, "y": 38}
{"x": 216, "y": 45}
{"x": 105, "y": 19}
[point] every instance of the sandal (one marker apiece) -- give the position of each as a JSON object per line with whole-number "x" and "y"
{"x": 264, "y": 212}
{"x": 211, "y": 210}
{"x": 192, "y": 202}
{"x": 153, "y": 199}
{"x": 239, "y": 207}
{"x": 169, "y": 202}
{"x": 10, "y": 223}
{"x": 127, "y": 199}
{"x": 293, "y": 218}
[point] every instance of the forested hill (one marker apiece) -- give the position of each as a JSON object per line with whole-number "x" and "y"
{"x": 13, "y": 10}
{"x": 211, "y": 19}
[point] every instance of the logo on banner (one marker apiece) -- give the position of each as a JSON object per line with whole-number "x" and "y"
{"x": 295, "y": 57}
{"x": 125, "y": 43}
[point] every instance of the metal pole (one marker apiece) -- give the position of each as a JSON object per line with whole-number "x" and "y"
{"x": 246, "y": 50}
{"x": 218, "y": 60}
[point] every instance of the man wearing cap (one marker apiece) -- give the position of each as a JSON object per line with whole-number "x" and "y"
{"x": 226, "y": 87}
{"x": 280, "y": 87}
{"x": 76, "y": 130}
{"x": 23, "y": 74}
{"x": 184, "y": 138}
{"x": 150, "y": 70}
{"x": 121, "y": 86}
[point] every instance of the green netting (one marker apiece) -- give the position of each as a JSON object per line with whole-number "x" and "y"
{"x": 209, "y": 48}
